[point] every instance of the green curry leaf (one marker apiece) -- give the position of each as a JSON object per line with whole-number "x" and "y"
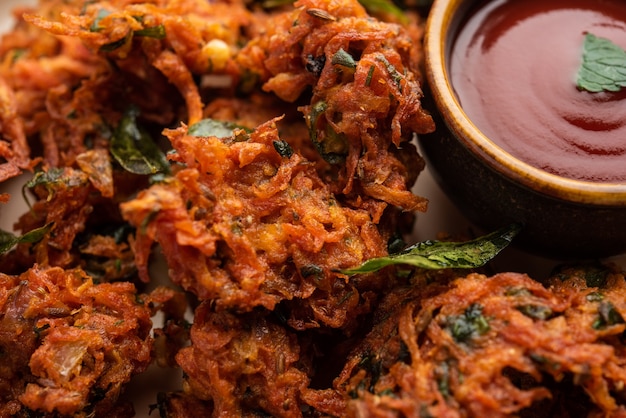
{"x": 384, "y": 6}
{"x": 438, "y": 254}
{"x": 216, "y": 128}
{"x": 156, "y": 32}
{"x": 603, "y": 66}
{"x": 9, "y": 240}
{"x": 133, "y": 148}
{"x": 330, "y": 145}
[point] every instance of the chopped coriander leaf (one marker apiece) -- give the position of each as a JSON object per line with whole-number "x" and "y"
{"x": 333, "y": 147}
{"x": 344, "y": 59}
{"x": 156, "y": 32}
{"x": 607, "y": 316}
{"x": 112, "y": 46}
{"x": 539, "y": 312}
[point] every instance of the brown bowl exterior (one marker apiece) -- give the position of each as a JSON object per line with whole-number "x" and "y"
{"x": 563, "y": 218}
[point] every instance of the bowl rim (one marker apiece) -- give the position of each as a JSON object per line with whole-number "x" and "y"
{"x": 440, "y": 18}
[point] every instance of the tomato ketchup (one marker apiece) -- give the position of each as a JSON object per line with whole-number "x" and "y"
{"x": 513, "y": 67}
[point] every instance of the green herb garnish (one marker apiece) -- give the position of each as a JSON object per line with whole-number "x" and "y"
{"x": 49, "y": 178}
{"x": 215, "y": 128}
{"x": 471, "y": 323}
{"x": 8, "y": 240}
{"x": 607, "y": 315}
{"x": 52, "y": 180}
{"x": 539, "y": 312}
{"x": 384, "y": 7}
{"x": 156, "y": 32}
{"x": 332, "y": 146}
{"x": 603, "y": 66}
{"x": 438, "y": 254}
{"x": 134, "y": 149}
{"x": 344, "y": 59}
{"x": 112, "y": 46}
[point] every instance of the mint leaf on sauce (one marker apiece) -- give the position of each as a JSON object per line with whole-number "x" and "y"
{"x": 603, "y": 66}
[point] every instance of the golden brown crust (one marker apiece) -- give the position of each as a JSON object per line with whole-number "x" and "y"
{"x": 69, "y": 345}
{"x": 241, "y": 363}
{"x": 494, "y": 346}
{"x": 366, "y": 94}
{"x": 245, "y": 226}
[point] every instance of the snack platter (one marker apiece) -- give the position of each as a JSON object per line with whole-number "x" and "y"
{"x": 441, "y": 217}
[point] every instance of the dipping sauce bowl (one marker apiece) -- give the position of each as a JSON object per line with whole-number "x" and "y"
{"x": 473, "y": 154}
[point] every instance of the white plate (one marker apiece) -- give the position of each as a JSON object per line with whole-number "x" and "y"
{"x": 442, "y": 216}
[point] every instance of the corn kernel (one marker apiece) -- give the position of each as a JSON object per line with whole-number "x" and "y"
{"x": 217, "y": 53}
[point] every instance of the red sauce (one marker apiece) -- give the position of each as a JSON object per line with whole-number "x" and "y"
{"x": 513, "y": 67}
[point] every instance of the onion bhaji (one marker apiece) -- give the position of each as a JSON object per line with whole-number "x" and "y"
{"x": 444, "y": 345}
{"x": 259, "y": 150}
{"x": 496, "y": 346}
{"x": 365, "y": 96}
{"x": 247, "y": 222}
{"x": 68, "y": 345}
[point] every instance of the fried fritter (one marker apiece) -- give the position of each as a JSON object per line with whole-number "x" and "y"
{"x": 247, "y": 222}
{"x": 85, "y": 227}
{"x": 495, "y": 346}
{"x": 68, "y": 345}
{"x": 365, "y": 95}
{"x": 169, "y": 42}
{"x": 363, "y": 74}
{"x": 243, "y": 363}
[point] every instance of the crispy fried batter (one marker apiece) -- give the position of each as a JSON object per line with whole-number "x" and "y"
{"x": 495, "y": 346}
{"x": 255, "y": 224}
{"x": 241, "y": 364}
{"x": 248, "y": 224}
{"x": 86, "y": 229}
{"x": 365, "y": 101}
{"x": 180, "y": 39}
{"x": 68, "y": 345}
{"x": 38, "y": 72}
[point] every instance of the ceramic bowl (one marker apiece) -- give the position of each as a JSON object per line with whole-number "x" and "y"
{"x": 563, "y": 218}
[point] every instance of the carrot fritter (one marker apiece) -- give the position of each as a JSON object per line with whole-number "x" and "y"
{"x": 42, "y": 96}
{"x": 247, "y": 222}
{"x": 365, "y": 101}
{"x": 495, "y": 346}
{"x": 68, "y": 345}
{"x": 179, "y": 40}
{"x": 85, "y": 227}
{"x": 240, "y": 364}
